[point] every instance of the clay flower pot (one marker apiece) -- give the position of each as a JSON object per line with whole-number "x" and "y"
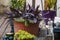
{"x": 32, "y": 28}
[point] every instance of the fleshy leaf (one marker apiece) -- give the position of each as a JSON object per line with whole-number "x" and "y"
{"x": 19, "y": 19}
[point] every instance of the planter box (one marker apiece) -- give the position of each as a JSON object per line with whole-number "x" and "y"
{"x": 48, "y": 14}
{"x": 32, "y": 28}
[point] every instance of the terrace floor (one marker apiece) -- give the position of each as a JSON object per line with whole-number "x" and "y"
{"x": 4, "y": 28}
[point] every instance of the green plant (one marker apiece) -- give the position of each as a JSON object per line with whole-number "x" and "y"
{"x": 30, "y": 16}
{"x": 21, "y": 35}
{"x": 18, "y": 4}
{"x": 51, "y": 3}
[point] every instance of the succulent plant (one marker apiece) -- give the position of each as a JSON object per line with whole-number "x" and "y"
{"x": 21, "y": 35}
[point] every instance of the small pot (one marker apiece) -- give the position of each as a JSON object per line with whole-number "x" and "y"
{"x": 32, "y": 28}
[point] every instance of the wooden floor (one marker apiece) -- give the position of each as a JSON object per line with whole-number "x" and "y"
{"x": 4, "y": 27}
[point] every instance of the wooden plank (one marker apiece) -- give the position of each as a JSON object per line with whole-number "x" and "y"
{"x": 3, "y": 28}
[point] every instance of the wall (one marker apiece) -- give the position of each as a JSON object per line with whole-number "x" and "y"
{"x": 5, "y": 2}
{"x": 58, "y": 10}
{"x": 29, "y": 2}
{"x": 4, "y": 5}
{"x": 37, "y": 2}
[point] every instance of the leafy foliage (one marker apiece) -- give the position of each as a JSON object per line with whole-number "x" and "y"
{"x": 28, "y": 16}
{"x": 21, "y": 34}
{"x": 50, "y": 3}
{"x": 17, "y": 3}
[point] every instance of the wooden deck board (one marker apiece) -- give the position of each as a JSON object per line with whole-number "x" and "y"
{"x": 2, "y": 28}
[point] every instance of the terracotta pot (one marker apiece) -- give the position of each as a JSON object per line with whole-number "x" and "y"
{"x": 32, "y": 28}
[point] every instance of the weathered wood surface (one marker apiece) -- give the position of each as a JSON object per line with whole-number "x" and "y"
{"x": 3, "y": 27}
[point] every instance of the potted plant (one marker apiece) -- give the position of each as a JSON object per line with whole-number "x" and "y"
{"x": 49, "y": 4}
{"x": 48, "y": 12}
{"x": 19, "y": 4}
{"x": 27, "y": 19}
{"x": 23, "y": 35}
